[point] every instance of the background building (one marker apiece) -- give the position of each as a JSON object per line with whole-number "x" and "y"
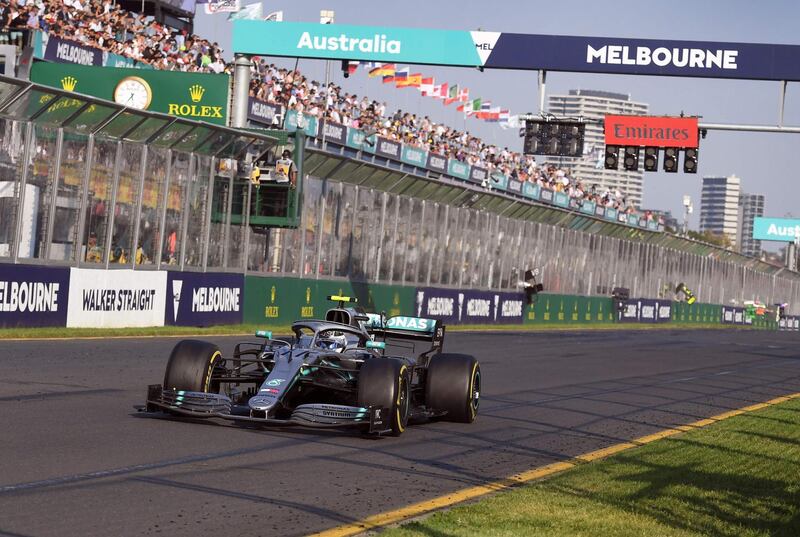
{"x": 593, "y": 105}
{"x": 719, "y": 206}
{"x": 750, "y": 206}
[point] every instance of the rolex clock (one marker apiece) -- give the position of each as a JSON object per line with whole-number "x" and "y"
{"x": 133, "y": 92}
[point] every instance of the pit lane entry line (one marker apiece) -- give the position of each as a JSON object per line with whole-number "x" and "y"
{"x": 424, "y": 507}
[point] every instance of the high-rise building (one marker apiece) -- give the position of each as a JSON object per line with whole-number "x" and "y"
{"x": 750, "y": 206}
{"x": 719, "y": 206}
{"x": 593, "y": 106}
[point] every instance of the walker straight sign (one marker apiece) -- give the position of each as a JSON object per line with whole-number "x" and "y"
{"x": 518, "y": 51}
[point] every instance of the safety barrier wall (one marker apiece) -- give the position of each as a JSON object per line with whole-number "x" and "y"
{"x": 364, "y": 234}
{"x": 38, "y": 296}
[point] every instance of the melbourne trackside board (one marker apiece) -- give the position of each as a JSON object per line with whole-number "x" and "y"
{"x": 518, "y": 51}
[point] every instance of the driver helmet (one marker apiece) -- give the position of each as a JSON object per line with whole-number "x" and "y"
{"x": 332, "y": 341}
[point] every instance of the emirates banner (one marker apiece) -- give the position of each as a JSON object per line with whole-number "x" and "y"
{"x": 651, "y": 131}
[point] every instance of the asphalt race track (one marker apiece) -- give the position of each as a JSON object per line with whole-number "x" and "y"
{"x": 77, "y": 459}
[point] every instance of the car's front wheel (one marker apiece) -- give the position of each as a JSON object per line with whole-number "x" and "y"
{"x": 386, "y": 383}
{"x": 191, "y": 365}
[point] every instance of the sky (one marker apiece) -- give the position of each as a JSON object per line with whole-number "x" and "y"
{"x": 766, "y": 162}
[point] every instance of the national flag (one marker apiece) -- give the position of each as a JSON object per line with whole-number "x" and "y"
{"x": 398, "y": 75}
{"x": 493, "y": 115}
{"x": 463, "y": 95}
{"x": 441, "y": 91}
{"x": 472, "y": 107}
{"x": 435, "y": 91}
{"x": 484, "y": 108}
{"x": 512, "y": 122}
{"x": 253, "y": 11}
{"x": 452, "y": 95}
{"x": 352, "y": 67}
{"x": 426, "y": 86}
{"x": 411, "y": 81}
{"x": 386, "y": 69}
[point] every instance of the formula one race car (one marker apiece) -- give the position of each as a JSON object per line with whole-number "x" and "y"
{"x": 351, "y": 369}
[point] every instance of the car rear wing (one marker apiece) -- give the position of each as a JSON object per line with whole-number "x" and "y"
{"x": 419, "y": 335}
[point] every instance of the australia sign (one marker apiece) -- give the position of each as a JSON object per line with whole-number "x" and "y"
{"x": 776, "y": 229}
{"x": 502, "y": 50}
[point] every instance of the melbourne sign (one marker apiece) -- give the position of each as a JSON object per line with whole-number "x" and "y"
{"x": 116, "y": 298}
{"x": 204, "y": 298}
{"x": 262, "y": 112}
{"x": 644, "y": 310}
{"x": 469, "y": 306}
{"x": 196, "y": 96}
{"x": 518, "y": 51}
{"x": 63, "y": 51}
{"x": 776, "y": 229}
{"x": 33, "y": 296}
{"x": 651, "y": 131}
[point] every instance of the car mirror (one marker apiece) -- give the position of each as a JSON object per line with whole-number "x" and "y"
{"x": 376, "y": 345}
{"x": 266, "y": 334}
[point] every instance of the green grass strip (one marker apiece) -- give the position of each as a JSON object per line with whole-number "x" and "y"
{"x": 738, "y": 477}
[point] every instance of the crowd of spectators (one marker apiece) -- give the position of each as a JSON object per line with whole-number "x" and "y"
{"x": 105, "y": 25}
{"x": 289, "y": 88}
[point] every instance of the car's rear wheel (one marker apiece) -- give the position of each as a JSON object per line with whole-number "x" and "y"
{"x": 386, "y": 383}
{"x": 454, "y": 386}
{"x": 191, "y": 366}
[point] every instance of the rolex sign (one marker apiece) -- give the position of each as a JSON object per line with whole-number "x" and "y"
{"x": 200, "y": 97}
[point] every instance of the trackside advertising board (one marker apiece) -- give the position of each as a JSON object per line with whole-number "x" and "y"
{"x": 116, "y": 298}
{"x": 33, "y": 296}
{"x": 651, "y": 131}
{"x": 197, "y": 96}
{"x": 503, "y": 50}
{"x": 465, "y": 306}
{"x": 204, "y": 298}
{"x": 776, "y": 229}
{"x": 645, "y": 310}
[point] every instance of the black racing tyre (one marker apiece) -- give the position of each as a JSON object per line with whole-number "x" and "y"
{"x": 190, "y": 366}
{"x": 384, "y": 382}
{"x": 454, "y": 385}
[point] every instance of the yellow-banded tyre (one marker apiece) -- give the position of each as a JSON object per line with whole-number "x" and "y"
{"x": 386, "y": 383}
{"x": 191, "y": 365}
{"x": 454, "y": 386}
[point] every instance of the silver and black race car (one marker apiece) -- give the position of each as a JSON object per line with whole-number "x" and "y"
{"x": 350, "y": 369}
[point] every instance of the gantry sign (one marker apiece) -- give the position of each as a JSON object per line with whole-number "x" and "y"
{"x": 500, "y": 50}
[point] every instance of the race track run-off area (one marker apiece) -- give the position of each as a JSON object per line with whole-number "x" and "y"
{"x": 77, "y": 459}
